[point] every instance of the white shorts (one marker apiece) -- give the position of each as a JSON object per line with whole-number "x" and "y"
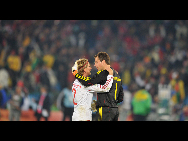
{"x": 82, "y": 115}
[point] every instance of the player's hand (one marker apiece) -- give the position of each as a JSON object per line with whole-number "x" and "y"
{"x": 116, "y": 72}
{"x": 93, "y": 106}
{"x": 109, "y": 70}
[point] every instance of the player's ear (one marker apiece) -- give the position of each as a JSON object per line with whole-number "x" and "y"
{"x": 84, "y": 69}
{"x": 103, "y": 62}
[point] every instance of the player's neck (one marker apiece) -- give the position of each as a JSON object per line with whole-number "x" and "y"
{"x": 104, "y": 67}
{"x": 85, "y": 75}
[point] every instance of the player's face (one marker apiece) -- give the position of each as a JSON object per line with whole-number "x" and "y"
{"x": 98, "y": 64}
{"x": 18, "y": 90}
{"x": 88, "y": 69}
{"x": 42, "y": 90}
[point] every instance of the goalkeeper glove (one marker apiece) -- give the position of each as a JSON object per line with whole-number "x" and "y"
{"x": 75, "y": 69}
{"x": 93, "y": 106}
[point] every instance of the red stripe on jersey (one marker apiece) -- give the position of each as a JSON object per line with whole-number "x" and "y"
{"x": 106, "y": 83}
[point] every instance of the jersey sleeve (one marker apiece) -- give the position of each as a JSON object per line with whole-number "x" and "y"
{"x": 96, "y": 78}
{"x": 102, "y": 88}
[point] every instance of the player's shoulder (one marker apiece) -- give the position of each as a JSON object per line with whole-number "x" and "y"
{"x": 76, "y": 84}
{"x": 115, "y": 73}
{"x": 116, "y": 76}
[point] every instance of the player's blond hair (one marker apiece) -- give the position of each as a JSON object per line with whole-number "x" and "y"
{"x": 82, "y": 64}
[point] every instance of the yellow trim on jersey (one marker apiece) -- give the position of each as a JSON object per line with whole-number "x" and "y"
{"x": 116, "y": 78}
{"x": 85, "y": 78}
{"x": 99, "y": 72}
{"x": 116, "y": 91}
{"x": 88, "y": 78}
{"x": 100, "y": 113}
{"x": 82, "y": 77}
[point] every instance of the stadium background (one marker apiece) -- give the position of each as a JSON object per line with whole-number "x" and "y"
{"x": 144, "y": 52}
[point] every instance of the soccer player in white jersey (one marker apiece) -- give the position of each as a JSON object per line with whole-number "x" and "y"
{"x": 82, "y": 95}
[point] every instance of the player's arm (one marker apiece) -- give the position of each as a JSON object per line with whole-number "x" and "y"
{"x": 121, "y": 94}
{"x": 102, "y": 88}
{"x": 96, "y": 78}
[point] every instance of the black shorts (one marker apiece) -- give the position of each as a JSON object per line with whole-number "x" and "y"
{"x": 107, "y": 114}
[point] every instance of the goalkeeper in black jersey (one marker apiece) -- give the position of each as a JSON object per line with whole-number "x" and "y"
{"x": 106, "y": 105}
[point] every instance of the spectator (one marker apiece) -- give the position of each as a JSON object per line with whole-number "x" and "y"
{"x": 14, "y": 64}
{"x": 61, "y": 76}
{"x": 178, "y": 86}
{"x": 141, "y": 105}
{"x": 181, "y": 29}
{"x": 152, "y": 87}
{"x": 2, "y": 55}
{"x": 125, "y": 106}
{"x": 4, "y": 77}
{"x": 3, "y": 97}
{"x": 65, "y": 103}
{"x": 43, "y": 105}
{"x": 52, "y": 77}
{"x": 49, "y": 60}
{"x": 26, "y": 102}
{"x": 28, "y": 77}
{"x": 184, "y": 114}
{"x": 126, "y": 79}
{"x": 44, "y": 78}
{"x": 16, "y": 102}
{"x": 184, "y": 77}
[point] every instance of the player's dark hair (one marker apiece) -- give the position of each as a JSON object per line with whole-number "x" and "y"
{"x": 103, "y": 56}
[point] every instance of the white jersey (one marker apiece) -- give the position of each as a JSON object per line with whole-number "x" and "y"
{"x": 82, "y": 98}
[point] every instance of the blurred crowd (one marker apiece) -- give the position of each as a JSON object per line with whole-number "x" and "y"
{"x": 146, "y": 53}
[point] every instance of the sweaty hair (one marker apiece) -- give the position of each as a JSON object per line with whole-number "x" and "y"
{"x": 82, "y": 65}
{"x": 103, "y": 56}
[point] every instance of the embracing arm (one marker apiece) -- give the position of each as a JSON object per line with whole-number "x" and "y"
{"x": 102, "y": 88}
{"x": 96, "y": 78}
